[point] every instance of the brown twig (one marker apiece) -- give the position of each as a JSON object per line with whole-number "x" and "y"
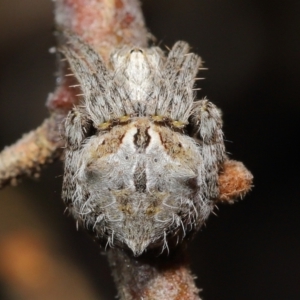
{"x": 31, "y": 152}
{"x": 151, "y": 278}
{"x": 235, "y": 181}
{"x": 106, "y": 24}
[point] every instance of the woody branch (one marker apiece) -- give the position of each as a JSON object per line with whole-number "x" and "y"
{"x": 106, "y": 24}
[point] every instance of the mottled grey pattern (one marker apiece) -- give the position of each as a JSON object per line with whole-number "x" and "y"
{"x": 142, "y": 157}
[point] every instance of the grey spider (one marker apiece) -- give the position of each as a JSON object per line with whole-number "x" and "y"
{"x": 142, "y": 156}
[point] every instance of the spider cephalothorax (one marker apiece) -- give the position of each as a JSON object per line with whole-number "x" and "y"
{"x": 135, "y": 174}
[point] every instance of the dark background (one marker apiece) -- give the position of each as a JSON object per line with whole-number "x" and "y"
{"x": 251, "y": 249}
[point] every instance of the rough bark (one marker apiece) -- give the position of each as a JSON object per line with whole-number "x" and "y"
{"x": 107, "y": 24}
{"x": 163, "y": 277}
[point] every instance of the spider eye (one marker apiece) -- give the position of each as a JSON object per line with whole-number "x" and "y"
{"x": 90, "y": 130}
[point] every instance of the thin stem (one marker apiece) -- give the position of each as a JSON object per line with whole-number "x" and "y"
{"x": 107, "y": 24}
{"x": 153, "y": 277}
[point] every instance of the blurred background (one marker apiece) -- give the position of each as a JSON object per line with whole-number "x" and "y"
{"x": 251, "y": 249}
